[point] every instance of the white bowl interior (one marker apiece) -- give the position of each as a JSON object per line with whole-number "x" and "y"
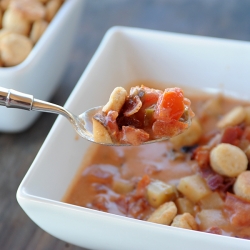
{"x": 126, "y": 55}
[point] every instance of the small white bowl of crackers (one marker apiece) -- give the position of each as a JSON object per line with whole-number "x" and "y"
{"x": 35, "y": 41}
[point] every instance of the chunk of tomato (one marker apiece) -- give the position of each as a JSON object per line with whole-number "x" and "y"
{"x": 150, "y": 96}
{"x": 170, "y": 105}
{"x": 168, "y": 129}
{"x": 142, "y": 184}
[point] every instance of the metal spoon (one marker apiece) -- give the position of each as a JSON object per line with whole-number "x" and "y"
{"x": 82, "y": 124}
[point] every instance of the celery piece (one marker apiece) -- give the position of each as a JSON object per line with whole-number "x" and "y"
{"x": 148, "y": 117}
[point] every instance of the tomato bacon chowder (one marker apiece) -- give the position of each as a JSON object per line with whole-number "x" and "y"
{"x": 143, "y": 115}
{"x": 198, "y": 180}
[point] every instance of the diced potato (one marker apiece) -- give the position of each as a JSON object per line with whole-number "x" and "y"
{"x": 211, "y": 218}
{"x": 184, "y": 206}
{"x": 164, "y": 214}
{"x": 213, "y": 200}
{"x": 193, "y": 187}
{"x": 122, "y": 186}
{"x": 100, "y": 133}
{"x": 185, "y": 220}
{"x": 159, "y": 192}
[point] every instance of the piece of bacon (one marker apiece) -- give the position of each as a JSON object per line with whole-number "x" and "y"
{"x": 201, "y": 155}
{"x": 132, "y": 105}
{"x": 123, "y": 203}
{"x": 111, "y": 124}
{"x": 213, "y": 180}
{"x": 137, "y": 207}
{"x": 128, "y": 121}
{"x": 133, "y": 136}
{"x": 232, "y": 135}
{"x": 237, "y": 210}
{"x": 216, "y": 181}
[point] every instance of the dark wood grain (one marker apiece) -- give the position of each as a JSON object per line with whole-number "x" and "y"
{"x": 217, "y": 18}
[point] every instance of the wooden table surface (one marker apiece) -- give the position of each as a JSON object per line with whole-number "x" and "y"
{"x": 217, "y": 18}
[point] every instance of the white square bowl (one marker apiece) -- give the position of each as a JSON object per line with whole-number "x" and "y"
{"x": 40, "y": 72}
{"x": 126, "y": 55}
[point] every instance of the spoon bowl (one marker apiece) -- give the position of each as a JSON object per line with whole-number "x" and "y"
{"x": 82, "y": 123}
{"x": 84, "y": 127}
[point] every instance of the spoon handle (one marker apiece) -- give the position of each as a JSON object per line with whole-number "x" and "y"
{"x": 14, "y": 99}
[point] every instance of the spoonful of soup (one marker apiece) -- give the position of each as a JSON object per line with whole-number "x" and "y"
{"x": 145, "y": 115}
